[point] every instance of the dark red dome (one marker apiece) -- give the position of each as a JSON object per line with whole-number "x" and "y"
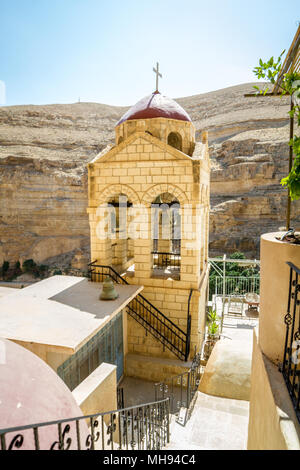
{"x": 155, "y": 106}
{"x": 31, "y": 392}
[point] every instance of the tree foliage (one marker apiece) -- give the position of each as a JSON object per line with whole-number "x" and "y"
{"x": 290, "y": 84}
{"x": 232, "y": 270}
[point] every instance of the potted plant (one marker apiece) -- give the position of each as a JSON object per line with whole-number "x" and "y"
{"x": 213, "y": 332}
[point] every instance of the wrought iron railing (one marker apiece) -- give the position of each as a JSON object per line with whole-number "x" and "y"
{"x": 237, "y": 285}
{"x": 166, "y": 261}
{"x": 142, "y": 427}
{"x": 291, "y": 357}
{"x": 152, "y": 319}
{"x": 181, "y": 390}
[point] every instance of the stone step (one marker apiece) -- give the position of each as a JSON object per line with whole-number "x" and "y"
{"x": 155, "y": 369}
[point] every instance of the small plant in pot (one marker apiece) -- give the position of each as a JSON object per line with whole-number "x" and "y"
{"x": 213, "y": 332}
{"x": 213, "y": 325}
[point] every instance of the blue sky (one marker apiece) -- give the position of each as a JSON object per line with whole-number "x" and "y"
{"x": 57, "y": 51}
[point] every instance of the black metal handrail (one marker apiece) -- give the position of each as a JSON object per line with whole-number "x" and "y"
{"x": 142, "y": 427}
{"x": 291, "y": 357}
{"x": 189, "y": 321}
{"x": 149, "y": 316}
{"x": 181, "y": 390}
{"x": 170, "y": 260}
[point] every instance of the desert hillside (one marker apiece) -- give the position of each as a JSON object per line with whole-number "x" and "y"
{"x": 44, "y": 151}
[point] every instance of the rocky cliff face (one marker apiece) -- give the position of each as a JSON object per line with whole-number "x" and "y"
{"x": 43, "y": 177}
{"x": 246, "y": 196}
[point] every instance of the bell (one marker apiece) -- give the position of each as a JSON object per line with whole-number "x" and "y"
{"x": 108, "y": 290}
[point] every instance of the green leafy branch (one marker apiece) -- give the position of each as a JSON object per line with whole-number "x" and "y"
{"x": 290, "y": 84}
{"x": 213, "y": 322}
{"x": 268, "y": 71}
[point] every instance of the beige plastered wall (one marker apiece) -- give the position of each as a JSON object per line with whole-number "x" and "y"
{"x": 272, "y": 421}
{"x": 273, "y": 424}
{"x": 274, "y": 288}
{"x": 52, "y": 355}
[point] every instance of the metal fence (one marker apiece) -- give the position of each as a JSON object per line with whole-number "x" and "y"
{"x": 236, "y": 285}
{"x": 181, "y": 390}
{"x": 143, "y": 427}
{"x": 166, "y": 261}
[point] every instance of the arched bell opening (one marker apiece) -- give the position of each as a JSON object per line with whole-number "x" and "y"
{"x": 166, "y": 236}
{"x": 122, "y": 246}
{"x": 175, "y": 140}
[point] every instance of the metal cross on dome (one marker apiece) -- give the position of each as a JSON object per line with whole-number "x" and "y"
{"x": 156, "y": 70}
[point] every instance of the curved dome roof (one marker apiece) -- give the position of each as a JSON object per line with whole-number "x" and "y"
{"x": 31, "y": 392}
{"x": 155, "y": 106}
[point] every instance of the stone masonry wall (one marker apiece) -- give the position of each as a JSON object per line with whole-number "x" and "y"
{"x": 142, "y": 168}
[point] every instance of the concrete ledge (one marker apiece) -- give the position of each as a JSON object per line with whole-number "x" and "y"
{"x": 273, "y": 424}
{"x": 7, "y": 290}
{"x": 16, "y": 284}
{"x": 98, "y": 392}
{"x": 154, "y": 369}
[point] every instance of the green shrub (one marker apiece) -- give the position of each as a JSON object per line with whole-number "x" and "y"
{"x": 29, "y": 266}
{"x": 232, "y": 269}
{"x": 57, "y": 272}
{"x": 5, "y": 267}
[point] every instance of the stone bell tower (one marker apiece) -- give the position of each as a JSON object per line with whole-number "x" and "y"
{"x": 155, "y": 178}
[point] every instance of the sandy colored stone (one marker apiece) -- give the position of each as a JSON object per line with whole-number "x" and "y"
{"x": 228, "y": 370}
{"x": 273, "y": 424}
{"x": 145, "y": 142}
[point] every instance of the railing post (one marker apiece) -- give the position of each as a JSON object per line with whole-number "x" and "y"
{"x": 188, "y": 330}
{"x": 168, "y": 420}
{"x": 3, "y": 443}
{"x": 188, "y": 339}
{"x": 188, "y": 390}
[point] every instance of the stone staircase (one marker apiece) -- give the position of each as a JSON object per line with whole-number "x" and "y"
{"x": 146, "y": 314}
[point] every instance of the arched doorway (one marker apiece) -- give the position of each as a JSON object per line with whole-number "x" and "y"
{"x": 122, "y": 246}
{"x": 166, "y": 236}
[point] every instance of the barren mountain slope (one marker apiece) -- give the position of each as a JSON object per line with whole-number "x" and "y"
{"x": 44, "y": 151}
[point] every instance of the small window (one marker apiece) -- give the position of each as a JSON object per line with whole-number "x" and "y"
{"x": 175, "y": 140}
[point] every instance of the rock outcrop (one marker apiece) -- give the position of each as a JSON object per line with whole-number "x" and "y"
{"x": 43, "y": 176}
{"x": 246, "y": 196}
